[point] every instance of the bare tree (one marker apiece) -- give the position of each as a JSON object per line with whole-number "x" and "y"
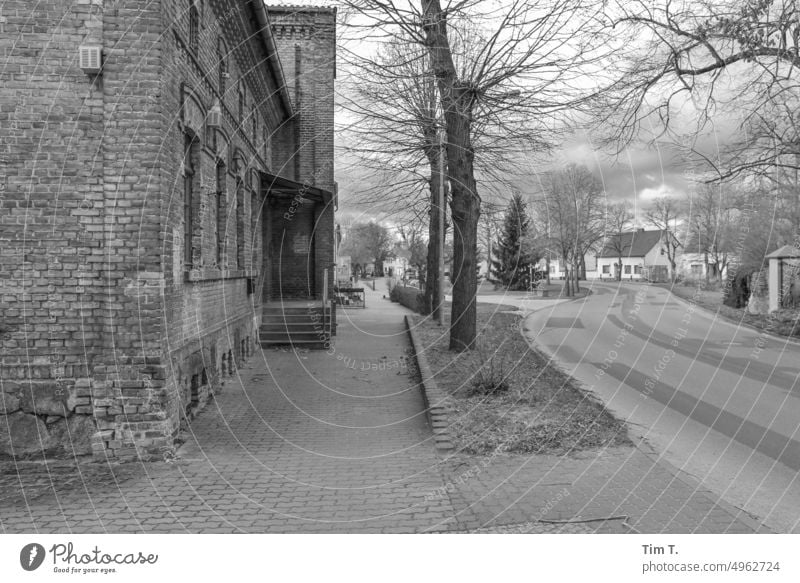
{"x": 713, "y": 228}
{"x": 523, "y": 68}
{"x": 732, "y": 57}
{"x": 368, "y": 243}
{"x": 571, "y": 198}
{"x": 666, "y": 214}
{"x": 618, "y": 218}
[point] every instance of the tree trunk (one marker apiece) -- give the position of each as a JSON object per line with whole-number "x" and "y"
{"x": 576, "y": 275}
{"x": 547, "y": 267}
{"x": 619, "y": 269}
{"x": 465, "y": 210}
{"x": 567, "y": 280}
{"x": 457, "y": 103}
{"x": 432, "y": 267}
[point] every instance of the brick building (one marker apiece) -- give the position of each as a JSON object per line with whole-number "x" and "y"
{"x": 167, "y": 171}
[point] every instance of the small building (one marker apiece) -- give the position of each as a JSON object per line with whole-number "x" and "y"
{"x": 557, "y": 270}
{"x": 694, "y": 266}
{"x": 784, "y": 278}
{"x": 642, "y": 252}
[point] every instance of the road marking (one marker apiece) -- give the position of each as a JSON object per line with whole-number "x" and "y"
{"x": 767, "y": 441}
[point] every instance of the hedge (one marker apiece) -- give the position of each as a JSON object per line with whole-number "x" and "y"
{"x": 410, "y": 297}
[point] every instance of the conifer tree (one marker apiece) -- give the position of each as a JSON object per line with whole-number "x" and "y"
{"x": 511, "y": 257}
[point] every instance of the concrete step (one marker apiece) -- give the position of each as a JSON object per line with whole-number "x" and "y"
{"x": 296, "y": 317}
{"x": 315, "y": 344}
{"x": 299, "y": 335}
{"x": 288, "y": 326}
{"x": 291, "y": 311}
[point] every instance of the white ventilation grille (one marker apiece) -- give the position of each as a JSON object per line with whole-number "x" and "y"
{"x": 91, "y": 58}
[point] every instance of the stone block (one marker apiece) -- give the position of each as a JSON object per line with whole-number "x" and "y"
{"x": 8, "y": 403}
{"x": 74, "y": 434}
{"x": 42, "y": 399}
{"x": 22, "y": 434}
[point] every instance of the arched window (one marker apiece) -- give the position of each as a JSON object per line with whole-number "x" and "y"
{"x": 222, "y": 67}
{"x": 221, "y": 206}
{"x": 240, "y": 188}
{"x": 194, "y": 26}
{"x": 189, "y": 202}
{"x": 241, "y": 104}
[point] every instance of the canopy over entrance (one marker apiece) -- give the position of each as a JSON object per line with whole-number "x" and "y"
{"x": 298, "y": 238}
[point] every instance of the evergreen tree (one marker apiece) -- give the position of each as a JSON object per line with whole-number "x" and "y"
{"x": 511, "y": 256}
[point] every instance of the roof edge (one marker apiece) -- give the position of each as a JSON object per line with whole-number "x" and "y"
{"x": 266, "y": 35}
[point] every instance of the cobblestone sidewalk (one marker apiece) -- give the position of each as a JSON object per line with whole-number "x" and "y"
{"x": 338, "y": 441}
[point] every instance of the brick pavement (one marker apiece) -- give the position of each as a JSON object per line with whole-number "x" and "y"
{"x": 338, "y": 441}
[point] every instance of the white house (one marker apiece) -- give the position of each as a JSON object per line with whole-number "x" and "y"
{"x": 643, "y": 253}
{"x": 557, "y": 266}
{"x": 693, "y": 266}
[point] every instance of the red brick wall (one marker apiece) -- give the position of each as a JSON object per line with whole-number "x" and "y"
{"x": 51, "y": 219}
{"x": 105, "y": 335}
{"x": 306, "y": 41}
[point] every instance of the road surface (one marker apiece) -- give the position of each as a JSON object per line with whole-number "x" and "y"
{"x": 719, "y": 401}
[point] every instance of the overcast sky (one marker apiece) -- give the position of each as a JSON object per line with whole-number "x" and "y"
{"x": 638, "y": 174}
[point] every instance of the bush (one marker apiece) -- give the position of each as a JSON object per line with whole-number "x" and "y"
{"x": 491, "y": 374}
{"x": 410, "y": 297}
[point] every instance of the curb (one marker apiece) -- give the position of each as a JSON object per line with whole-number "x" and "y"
{"x": 434, "y": 398}
{"x": 732, "y": 322}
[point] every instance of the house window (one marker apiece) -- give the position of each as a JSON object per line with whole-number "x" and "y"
{"x": 239, "y": 225}
{"x": 255, "y": 128}
{"x": 662, "y": 250}
{"x": 222, "y": 67}
{"x": 606, "y": 269}
{"x": 266, "y": 146}
{"x": 221, "y": 205}
{"x": 627, "y": 270}
{"x": 189, "y": 159}
{"x": 637, "y": 270}
{"x": 241, "y": 104}
{"x": 697, "y": 269}
{"x": 194, "y": 27}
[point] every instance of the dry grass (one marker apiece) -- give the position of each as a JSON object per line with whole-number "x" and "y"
{"x": 542, "y": 411}
{"x": 782, "y": 322}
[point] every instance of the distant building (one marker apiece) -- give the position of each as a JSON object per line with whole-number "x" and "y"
{"x": 643, "y": 253}
{"x": 693, "y": 266}
{"x": 557, "y": 269}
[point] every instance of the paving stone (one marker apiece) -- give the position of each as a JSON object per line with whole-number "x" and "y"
{"x": 308, "y": 445}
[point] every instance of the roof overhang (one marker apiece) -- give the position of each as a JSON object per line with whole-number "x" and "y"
{"x": 277, "y": 187}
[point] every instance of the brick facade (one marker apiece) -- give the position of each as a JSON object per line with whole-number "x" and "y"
{"x": 135, "y": 237}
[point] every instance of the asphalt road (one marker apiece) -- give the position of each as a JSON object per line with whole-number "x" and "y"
{"x": 719, "y": 401}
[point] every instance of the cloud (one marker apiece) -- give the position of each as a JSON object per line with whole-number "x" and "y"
{"x": 648, "y": 195}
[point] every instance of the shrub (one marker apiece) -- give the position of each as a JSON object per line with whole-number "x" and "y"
{"x": 410, "y": 297}
{"x": 491, "y": 374}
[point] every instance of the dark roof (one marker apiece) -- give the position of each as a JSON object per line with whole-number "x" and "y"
{"x": 785, "y": 251}
{"x": 279, "y": 187}
{"x": 635, "y": 244}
